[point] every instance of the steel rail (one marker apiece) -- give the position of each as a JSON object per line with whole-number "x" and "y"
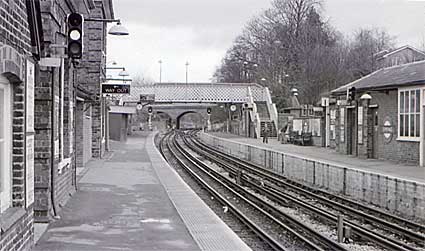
{"x": 382, "y": 239}
{"x": 306, "y": 230}
{"x": 414, "y": 236}
{"x": 274, "y": 244}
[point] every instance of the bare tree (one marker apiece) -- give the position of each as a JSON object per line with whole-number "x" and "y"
{"x": 292, "y": 46}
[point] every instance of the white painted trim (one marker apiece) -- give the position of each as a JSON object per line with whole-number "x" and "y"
{"x": 6, "y": 173}
{"x": 62, "y": 110}
{"x": 421, "y": 88}
{"x": 63, "y": 164}
{"x": 422, "y": 131}
{"x": 410, "y": 139}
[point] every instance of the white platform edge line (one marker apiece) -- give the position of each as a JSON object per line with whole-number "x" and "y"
{"x": 154, "y": 152}
{"x": 325, "y": 162}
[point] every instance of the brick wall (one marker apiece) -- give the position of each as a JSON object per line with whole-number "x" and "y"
{"x": 54, "y": 96}
{"x": 396, "y": 150}
{"x": 19, "y": 236}
{"x": 17, "y": 231}
{"x": 386, "y": 104}
{"x": 91, "y": 73}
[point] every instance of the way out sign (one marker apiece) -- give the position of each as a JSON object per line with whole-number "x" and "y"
{"x": 115, "y": 89}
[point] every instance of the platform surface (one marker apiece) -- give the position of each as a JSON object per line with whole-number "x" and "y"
{"x": 401, "y": 171}
{"x": 134, "y": 201}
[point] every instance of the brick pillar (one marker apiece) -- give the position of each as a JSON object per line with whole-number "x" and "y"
{"x": 18, "y": 191}
{"x": 43, "y": 144}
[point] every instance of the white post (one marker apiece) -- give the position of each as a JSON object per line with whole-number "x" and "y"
{"x": 209, "y": 123}
{"x": 327, "y": 126}
{"x": 150, "y": 122}
{"x": 422, "y": 132}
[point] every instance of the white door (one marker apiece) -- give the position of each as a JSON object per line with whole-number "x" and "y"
{"x": 5, "y": 143}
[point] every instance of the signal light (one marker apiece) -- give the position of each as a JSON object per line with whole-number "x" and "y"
{"x": 209, "y": 110}
{"x": 75, "y": 35}
{"x": 150, "y": 109}
{"x": 352, "y": 93}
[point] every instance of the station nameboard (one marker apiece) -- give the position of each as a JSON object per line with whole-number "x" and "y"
{"x": 115, "y": 89}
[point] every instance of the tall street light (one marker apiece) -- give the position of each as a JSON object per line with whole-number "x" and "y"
{"x": 187, "y": 66}
{"x": 160, "y": 71}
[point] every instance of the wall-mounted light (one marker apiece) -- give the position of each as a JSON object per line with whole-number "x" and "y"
{"x": 117, "y": 30}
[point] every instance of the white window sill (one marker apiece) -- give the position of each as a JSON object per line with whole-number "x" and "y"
{"x": 416, "y": 139}
{"x": 65, "y": 163}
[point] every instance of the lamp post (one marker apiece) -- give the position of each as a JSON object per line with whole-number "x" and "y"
{"x": 365, "y": 98}
{"x": 160, "y": 71}
{"x": 187, "y": 66}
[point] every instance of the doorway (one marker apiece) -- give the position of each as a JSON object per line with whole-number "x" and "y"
{"x": 375, "y": 133}
{"x": 351, "y": 132}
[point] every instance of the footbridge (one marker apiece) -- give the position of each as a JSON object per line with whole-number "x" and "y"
{"x": 251, "y": 103}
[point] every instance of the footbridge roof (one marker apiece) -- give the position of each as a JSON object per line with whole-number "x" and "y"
{"x": 199, "y": 92}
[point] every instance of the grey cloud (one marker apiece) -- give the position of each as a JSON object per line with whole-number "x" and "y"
{"x": 190, "y": 13}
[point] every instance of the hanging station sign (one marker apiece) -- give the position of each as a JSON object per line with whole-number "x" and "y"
{"x": 115, "y": 89}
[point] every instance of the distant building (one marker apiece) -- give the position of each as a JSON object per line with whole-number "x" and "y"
{"x": 385, "y": 120}
{"x": 402, "y": 55}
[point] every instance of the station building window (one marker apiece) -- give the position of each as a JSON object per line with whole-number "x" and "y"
{"x": 409, "y": 114}
{"x": 5, "y": 144}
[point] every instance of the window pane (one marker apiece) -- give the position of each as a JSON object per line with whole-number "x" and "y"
{"x": 401, "y": 133}
{"x": 412, "y": 101}
{"x": 406, "y": 125}
{"x": 401, "y": 102}
{"x": 406, "y": 102}
{"x": 418, "y": 100}
{"x": 417, "y": 134}
{"x": 412, "y": 125}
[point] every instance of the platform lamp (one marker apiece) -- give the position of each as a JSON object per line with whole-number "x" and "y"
{"x": 116, "y": 30}
{"x": 365, "y": 98}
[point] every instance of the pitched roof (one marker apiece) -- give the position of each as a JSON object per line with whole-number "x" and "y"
{"x": 390, "y": 77}
{"x": 402, "y": 48}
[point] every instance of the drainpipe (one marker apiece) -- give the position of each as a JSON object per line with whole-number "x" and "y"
{"x": 52, "y": 156}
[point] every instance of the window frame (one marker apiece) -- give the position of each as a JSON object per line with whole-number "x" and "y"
{"x": 6, "y": 174}
{"x": 409, "y": 113}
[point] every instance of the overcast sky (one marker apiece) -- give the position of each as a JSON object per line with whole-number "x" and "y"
{"x": 200, "y": 31}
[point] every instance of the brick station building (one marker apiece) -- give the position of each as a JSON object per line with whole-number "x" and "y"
{"x": 43, "y": 99}
{"x": 69, "y": 108}
{"x": 388, "y": 122}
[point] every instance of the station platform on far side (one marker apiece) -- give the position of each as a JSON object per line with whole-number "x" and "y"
{"x": 133, "y": 200}
{"x": 327, "y": 155}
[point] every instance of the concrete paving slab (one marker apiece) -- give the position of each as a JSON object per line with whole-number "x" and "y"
{"x": 121, "y": 205}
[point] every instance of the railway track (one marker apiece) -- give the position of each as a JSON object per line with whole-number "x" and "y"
{"x": 279, "y": 230}
{"x": 276, "y": 188}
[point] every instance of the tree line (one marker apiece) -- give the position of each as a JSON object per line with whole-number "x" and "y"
{"x": 291, "y": 45}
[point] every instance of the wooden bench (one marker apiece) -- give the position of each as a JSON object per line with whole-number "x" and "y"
{"x": 303, "y": 139}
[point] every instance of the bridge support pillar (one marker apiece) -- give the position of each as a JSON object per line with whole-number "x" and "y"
{"x": 209, "y": 122}
{"x": 150, "y": 122}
